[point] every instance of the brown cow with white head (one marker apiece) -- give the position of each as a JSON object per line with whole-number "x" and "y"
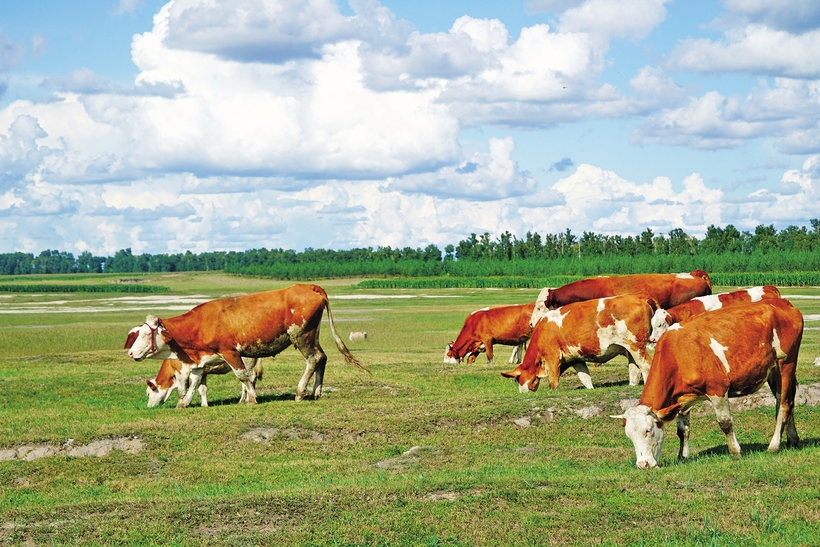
{"x": 507, "y": 325}
{"x": 590, "y": 331}
{"x": 254, "y": 325}
{"x": 176, "y": 374}
{"x": 713, "y": 356}
{"x": 663, "y": 319}
{"x": 667, "y": 289}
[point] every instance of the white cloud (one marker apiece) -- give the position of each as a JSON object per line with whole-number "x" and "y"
{"x": 607, "y": 19}
{"x": 482, "y": 177}
{"x": 756, "y": 49}
{"x": 794, "y": 15}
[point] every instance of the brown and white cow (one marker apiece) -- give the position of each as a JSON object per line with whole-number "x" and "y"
{"x": 507, "y": 325}
{"x": 663, "y": 319}
{"x": 176, "y": 374}
{"x": 713, "y": 356}
{"x": 590, "y": 331}
{"x": 254, "y": 325}
{"x": 667, "y": 289}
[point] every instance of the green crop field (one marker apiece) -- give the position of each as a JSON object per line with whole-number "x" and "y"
{"x": 417, "y": 453}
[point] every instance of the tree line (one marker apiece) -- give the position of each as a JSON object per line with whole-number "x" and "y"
{"x": 722, "y": 249}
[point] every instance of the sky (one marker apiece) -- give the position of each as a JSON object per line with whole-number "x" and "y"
{"x": 216, "y": 125}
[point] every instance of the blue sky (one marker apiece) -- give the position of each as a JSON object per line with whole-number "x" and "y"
{"x": 193, "y": 125}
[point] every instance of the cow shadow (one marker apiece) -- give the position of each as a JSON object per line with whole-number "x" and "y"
{"x": 753, "y": 448}
{"x": 260, "y": 399}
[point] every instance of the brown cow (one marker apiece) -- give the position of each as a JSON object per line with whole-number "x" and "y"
{"x": 664, "y": 318}
{"x": 176, "y": 374}
{"x": 255, "y": 325}
{"x": 590, "y": 331}
{"x": 667, "y": 289}
{"x": 713, "y": 356}
{"x": 507, "y": 325}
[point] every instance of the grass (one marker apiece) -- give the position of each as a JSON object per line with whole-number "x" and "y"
{"x": 418, "y": 453}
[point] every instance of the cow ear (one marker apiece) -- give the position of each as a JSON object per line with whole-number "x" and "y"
{"x": 511, "y": 374}
{"x": 131, "y": 338}
{"x": 151, "y": 384}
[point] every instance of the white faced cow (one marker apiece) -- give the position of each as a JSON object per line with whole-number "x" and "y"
{"x": 713, "y": 356}
{"x": 590, "y": 331}
{"x": 255, "y": 325}
{"x": 663, "y": 319}
{"x": 176, "y": 374}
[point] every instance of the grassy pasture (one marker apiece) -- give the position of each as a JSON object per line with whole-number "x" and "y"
{"x": 418, "y": 453}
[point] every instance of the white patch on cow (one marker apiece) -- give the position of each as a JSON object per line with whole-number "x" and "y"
{"x": 778, "y": 349}
{"x": 524, "y": 388}
{"x": 676, "y": 326}
{"x": 292, "y": 311}
{"x": 720, "y": 352}
{"x": 572, "y": 351}
{"x": 755, "y": 293}
{"x": 556, "y": 316}
{"x": 601, "y": 305}
{"x": 685, "y": 276}
{"x": 710, "y": 302}
{"x": 617, "y": 333}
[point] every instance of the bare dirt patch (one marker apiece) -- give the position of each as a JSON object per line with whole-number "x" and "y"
{"x": 96, "y": 449}
{"x": 271, "y": 434}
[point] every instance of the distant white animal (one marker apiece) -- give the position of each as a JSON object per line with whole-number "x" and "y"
{"x": 356, "y": 336}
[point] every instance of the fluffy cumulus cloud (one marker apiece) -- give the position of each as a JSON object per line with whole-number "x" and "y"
{"x": 286, "y": 123}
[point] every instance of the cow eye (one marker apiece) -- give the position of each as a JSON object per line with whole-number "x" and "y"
{"x": 648, "y": 431}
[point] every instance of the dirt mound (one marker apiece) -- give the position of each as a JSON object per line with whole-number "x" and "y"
{"x": 96, "y": 449}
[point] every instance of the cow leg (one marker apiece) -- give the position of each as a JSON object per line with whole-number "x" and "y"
{"x": 315, "y": 360}
{"x": 634, "y": 374}
{"x": 489, "y": 350}
{"x": 582, "y": 370}
{"x": 245, "y": 374}
{"x": 193, "y": 386}
{"x": 639, "y": 362}
{"x": 682, "y": 422}
{"x": 203, "y": 391}
{"x": 783, "y": 385}
{"x": 725, "y": 421}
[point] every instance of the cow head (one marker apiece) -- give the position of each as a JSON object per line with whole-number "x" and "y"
{"x": 527, "y": 377}
{"x": 158, "y": 394}
{"x": 660, "y": 323}
{"x": 149, "y": 340}
{"x": 645, "y": 430}
{"x": 543, "y": 303}
{"x": 450, "y": 355}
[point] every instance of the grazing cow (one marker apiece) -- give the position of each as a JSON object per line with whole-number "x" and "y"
{"x": 255, "y": 325}
{"x": 667, "y": 289}
{"x": 176, "y": 374}
{"x": 507, "y": 325}
{"x": 664, "y": 318}
{"x": 725, "y": 353}
{"x": 358, "y": 336}
{"x": 590, "y": 331}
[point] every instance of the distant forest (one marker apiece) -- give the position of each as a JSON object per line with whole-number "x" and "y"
{"x": 727, "y": 250}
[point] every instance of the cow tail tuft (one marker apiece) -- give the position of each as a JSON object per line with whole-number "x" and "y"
{"x": 349, "y": 358}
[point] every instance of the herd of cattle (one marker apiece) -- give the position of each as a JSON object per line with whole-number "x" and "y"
{"x": 701, "y": 353}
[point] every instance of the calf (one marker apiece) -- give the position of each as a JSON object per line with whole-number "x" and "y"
{"x": 725, "y": 353}
{"x": 507, "y": 325}
{"x": 254, "y": 325}
{"x": 667, "y": 289}
{"x": 176, "y": 374}
{"x": 664, "y": 318}
{"x": 590, "y": 331}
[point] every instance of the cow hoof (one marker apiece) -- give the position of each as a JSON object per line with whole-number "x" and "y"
{"x": 300, "y": 396}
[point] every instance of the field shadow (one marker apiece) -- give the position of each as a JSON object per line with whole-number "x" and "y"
{"x": 753, "y": 448}
{"x": 259, "y": 399}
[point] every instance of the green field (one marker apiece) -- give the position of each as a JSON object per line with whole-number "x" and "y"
{"x": 418, "y": 453}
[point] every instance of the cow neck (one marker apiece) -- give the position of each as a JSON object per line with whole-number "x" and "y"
{"x": 175, "y": 327}
{"x": 167, "y": 373}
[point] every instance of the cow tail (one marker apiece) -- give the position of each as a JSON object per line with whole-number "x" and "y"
{"x": 351, "y": 360}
